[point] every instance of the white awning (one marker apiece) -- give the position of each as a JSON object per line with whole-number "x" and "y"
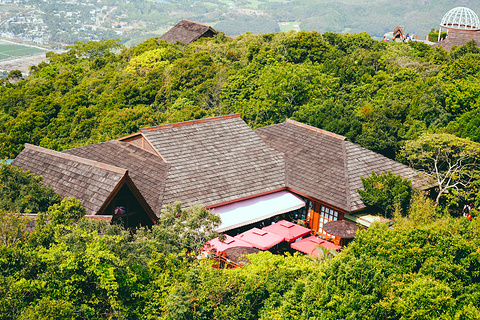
{"x": 244, "y": 212}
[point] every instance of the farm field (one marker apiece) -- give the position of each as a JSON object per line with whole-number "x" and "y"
{"x": 10, "y": 50}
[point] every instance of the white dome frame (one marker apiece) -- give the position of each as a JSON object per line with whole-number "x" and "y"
{"x": 461, "y": 18}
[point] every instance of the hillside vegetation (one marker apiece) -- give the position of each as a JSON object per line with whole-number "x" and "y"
{"x": 426, "y": 267}
{"x": 380, "y": 95}
{"x": 377, "y": 94}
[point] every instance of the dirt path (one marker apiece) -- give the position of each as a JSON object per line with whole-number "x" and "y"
{"x": 22, "y": 63}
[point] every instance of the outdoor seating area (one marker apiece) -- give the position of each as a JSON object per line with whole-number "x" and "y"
{"x": 309, "y": 246}
{"x": 278, "y": 237}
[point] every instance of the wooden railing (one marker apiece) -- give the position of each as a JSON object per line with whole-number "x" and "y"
{"x": 223, "y": 262}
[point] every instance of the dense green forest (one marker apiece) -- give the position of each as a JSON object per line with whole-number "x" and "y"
{"x": 426, "y": 267}
{"x": 377, "y": 94}
{"x": 403, "y": 100}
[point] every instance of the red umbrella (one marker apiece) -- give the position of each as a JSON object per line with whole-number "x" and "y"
{"x": 289, "y": 230}
{"x": 309, "y": 245}
{"x": 260, "y": 239}
{"x": 230, "y": 242}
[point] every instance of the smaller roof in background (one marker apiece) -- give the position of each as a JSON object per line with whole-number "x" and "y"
{"x": 341, "y": 228}
{"x": 187, "y": 31}
{"x": 260, "y": 239}
{"x": 230, "y": 242}
{"x": 290, "y": 231}
{"x": 310, "y": 244}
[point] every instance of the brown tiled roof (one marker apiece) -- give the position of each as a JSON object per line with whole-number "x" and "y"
{"x": 215, "y": 160}
{"x": 456, "y": 38}
{"x": 341, "y": 228}
{"x": 147, "y": 170}
{"x": 326, "y": 166}
{"x": 186, "y": 31}
{"x": 89, "y": 181}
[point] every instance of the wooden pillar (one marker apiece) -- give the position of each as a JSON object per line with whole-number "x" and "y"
{"x": 337, "y": 240}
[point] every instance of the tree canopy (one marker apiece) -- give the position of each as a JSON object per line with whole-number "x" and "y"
{"x": 377, "y": 94}
{"x": 451, "y": 161}
{"x": 425, "y": 267}
{"x": 21, "y": 191}
{"x": 385, "y": 191}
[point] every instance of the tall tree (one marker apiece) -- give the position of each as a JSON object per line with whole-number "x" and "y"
{"x": 452, "y": 161}
{"x": 183, "y": 229}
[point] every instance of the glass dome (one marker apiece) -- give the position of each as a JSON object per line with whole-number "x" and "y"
{"x": 460, "y": 18}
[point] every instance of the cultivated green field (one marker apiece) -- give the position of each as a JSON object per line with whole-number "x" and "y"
{"x": 9, "y": 50}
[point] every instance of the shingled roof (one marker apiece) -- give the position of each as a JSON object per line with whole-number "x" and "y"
{"x": 326, "y": 166}
{"x": 187, "y": 31}
{"x": 215, "y": 160}
{"x": 89, "y": 181}
{"x": 147, "y": 170}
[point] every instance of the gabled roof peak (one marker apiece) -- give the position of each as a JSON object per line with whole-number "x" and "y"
{"x": 76, "y": 159}
{"x": 195, "y": 22}
{"x": 191, "y": 122}
{"x": 187, "y": 31}
{"x": 306, "y": 126}
{"x": 130, "y": 136}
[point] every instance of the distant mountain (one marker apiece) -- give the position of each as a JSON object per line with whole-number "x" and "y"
{"x": 62, "y": 22}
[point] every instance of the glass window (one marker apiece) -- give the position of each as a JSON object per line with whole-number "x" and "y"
{"x": 326, "y": 215}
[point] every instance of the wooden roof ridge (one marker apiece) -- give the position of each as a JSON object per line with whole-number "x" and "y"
{"x": 195, "y": 22}
{"x": 306, "y": 126}
{"x": 187, "y": 31}
{"x": 132, "y": 135}
{"x": 201, "y": 24}
{"x": 191, "y": 122}
{"x": 140, "y": 134}
{"x": 70, "y": 157}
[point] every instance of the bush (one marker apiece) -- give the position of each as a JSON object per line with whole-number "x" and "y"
{"x": 49, "y": 309}
{"x": 386, "y": 190}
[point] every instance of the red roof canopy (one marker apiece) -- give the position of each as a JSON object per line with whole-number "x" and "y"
{"x": 260, "y": 239}
{"x": 230, "y": 242}
{"x": 309, "y": 244}
{"x": 289, "y": 230}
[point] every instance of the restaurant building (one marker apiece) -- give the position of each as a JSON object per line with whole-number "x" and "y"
{"x": 288, "y": 170}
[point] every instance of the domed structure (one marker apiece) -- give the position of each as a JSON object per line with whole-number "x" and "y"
{"x": 462, "y": 25}
{"x": 460, "y": 18}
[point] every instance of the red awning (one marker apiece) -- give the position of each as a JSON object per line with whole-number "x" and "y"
{"x": 289, "y": 230}
{"x": 309, "y": 245}
{"x": 260, "y": 239}
{"x": 230, "y": 242}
